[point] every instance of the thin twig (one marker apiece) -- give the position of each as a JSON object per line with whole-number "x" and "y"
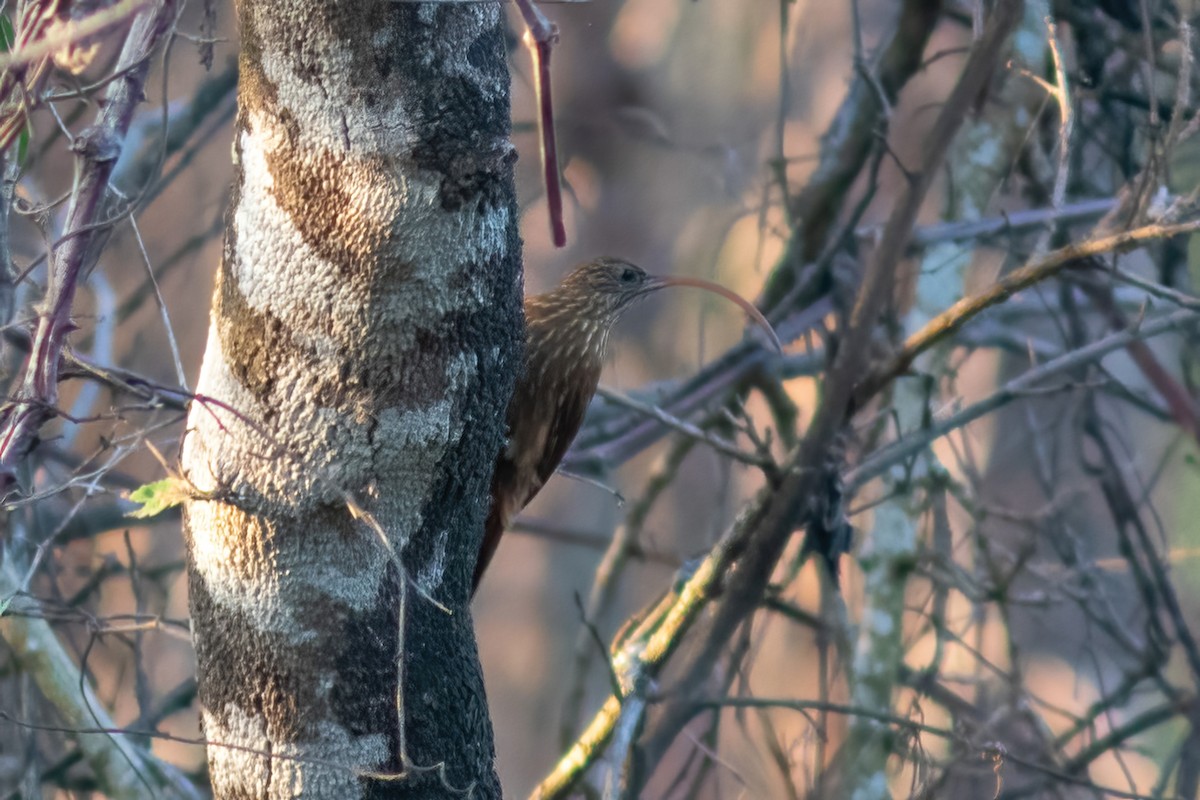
{"x": 953, "y": 318}
{"x": 914, "y": 443}
{"x": 98, "y": 149}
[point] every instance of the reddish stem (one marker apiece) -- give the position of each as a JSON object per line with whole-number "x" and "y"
{"x": 540, "y": 36}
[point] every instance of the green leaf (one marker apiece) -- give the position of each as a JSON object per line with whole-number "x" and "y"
{"x": 1193, "y": 258}
{"x": 1185, "y": 167}
{"x": 7, "y": 35}
{"x": 157, "y": 497}
{"x": 23, "y": 146}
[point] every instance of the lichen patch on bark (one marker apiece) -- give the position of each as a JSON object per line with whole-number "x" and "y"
{"x": 293, "y": 771}
{"x": 329, "y": 558}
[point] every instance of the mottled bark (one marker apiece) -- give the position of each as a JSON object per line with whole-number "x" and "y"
{"x": 365, "y": 333}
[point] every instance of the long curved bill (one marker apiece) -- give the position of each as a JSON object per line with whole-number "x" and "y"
{"x": 716, "y": 288}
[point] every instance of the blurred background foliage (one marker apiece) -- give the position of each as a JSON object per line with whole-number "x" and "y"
{"x": 1026, "y": 610}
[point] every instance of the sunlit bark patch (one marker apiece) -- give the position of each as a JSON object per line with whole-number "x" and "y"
{"x": 289, "y": 772}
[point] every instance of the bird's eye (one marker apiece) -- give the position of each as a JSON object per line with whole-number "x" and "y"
{"x": 629, "y": 275}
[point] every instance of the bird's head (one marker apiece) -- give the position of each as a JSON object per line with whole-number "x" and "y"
{"x": 597, "y": 292}
{"x": 603, "y": 288}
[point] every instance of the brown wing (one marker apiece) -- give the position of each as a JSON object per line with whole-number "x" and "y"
{"x": 541, "y": 426}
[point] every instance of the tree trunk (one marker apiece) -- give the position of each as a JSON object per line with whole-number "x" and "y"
{"x": 365, "y": 334}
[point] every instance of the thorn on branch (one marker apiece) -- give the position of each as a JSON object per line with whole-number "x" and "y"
{"x": 97, "y": 143}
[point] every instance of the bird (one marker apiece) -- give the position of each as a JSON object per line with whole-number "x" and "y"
{"x": 566, "y": 341}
